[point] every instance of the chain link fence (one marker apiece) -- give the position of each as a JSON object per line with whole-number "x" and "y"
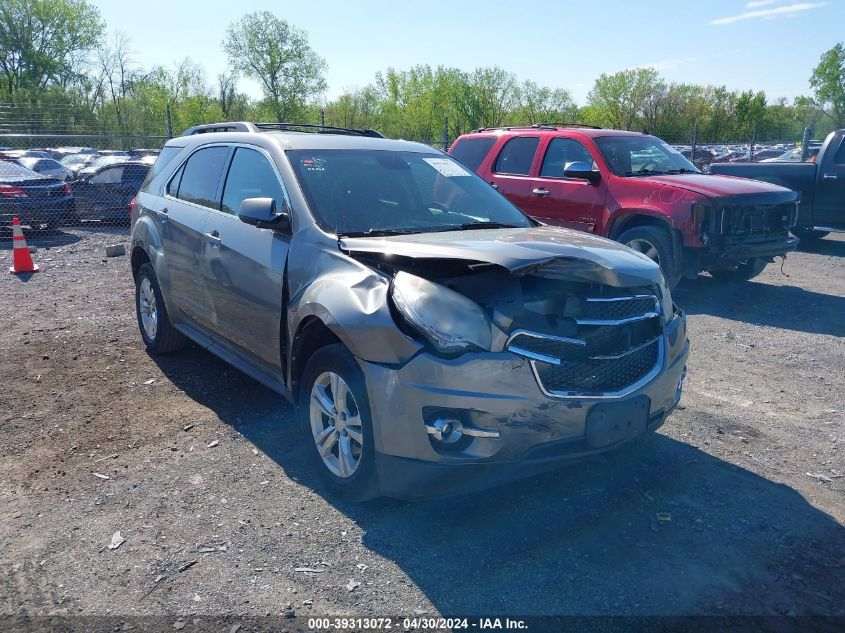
{"x": 57, "y": 181}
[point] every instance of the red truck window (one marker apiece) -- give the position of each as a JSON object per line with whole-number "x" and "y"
{"x": 517, "y": 155}
{"x": 560, "y": 152}
{"x": 471, "y": 151}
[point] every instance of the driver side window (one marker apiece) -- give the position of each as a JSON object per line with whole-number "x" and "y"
{"x": 250, "y": 176}
{"x": 560, "y": 152}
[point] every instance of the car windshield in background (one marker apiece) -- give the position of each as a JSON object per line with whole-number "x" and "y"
{"x": 642, "y": 156}
{"x": 369, "y": 192}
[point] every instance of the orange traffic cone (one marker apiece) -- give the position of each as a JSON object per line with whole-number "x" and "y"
{"x": 22, "y": 260}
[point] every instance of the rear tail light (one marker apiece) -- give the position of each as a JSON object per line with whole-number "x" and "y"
{"x": 132, "y": 204}
{"x": 67, "y": 189}
{"x": 10, "y": 191}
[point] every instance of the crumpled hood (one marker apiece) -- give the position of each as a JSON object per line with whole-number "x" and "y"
{"x": 723, "y": 187}
{"x": 561, "y": 253}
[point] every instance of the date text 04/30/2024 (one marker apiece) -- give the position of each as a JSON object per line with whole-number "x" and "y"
{"x": 416, "y": 623}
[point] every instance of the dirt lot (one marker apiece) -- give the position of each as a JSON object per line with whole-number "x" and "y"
{"x": 749, "y": 472}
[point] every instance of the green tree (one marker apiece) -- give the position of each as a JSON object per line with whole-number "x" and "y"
{"x": 828, "y": 84}
{"x": 277, "y": 55}
{"x": 541, "y": 104}
{"x": 45, "y": 43}
{"x": 619, "y": 100}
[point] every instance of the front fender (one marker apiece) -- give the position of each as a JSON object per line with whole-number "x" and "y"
{"x": 350, "y": 299}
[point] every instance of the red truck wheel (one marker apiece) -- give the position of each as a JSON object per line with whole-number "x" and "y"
{"x": 656, "y": 244}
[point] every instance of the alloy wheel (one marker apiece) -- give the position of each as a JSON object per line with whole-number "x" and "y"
{"x": 646, "y": 248}
{"x": 148, "y": 309}
{"x": 336, "y": 424}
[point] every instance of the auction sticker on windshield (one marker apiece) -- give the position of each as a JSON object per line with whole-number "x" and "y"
{"x": 447, "y": 167}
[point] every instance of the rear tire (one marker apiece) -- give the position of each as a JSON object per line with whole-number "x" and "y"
{"x": 333, "y": 423}
{"x": 158, "y": 333}
{"x": 808, "y": 235}
{"x": 743, "y": 271}
{"x": 655, "y": 243}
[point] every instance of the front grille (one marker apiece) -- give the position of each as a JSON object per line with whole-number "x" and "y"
{"x": 617, "y": 345}
{"x": 763, "y": 219}
{"x": 620, "y": 308}
{"x": 599, "y": 375}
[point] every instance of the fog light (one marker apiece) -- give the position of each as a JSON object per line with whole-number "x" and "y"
{"x": 445, "y": 430}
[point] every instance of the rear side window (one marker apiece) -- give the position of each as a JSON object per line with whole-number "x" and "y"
{"x": 167, "y": 154}
{"x": 201, "y": 175}
{"x": 173, "y": 185}
{"x": 517, "y": 155}
{"x": 134, "y": 174}
{"x": 839, "y": 159}
{"x": 471, "y": 151}
{"x": 110, "y": 176}
{"x": 560, "y": 152}
{"x": 250, "y": 176}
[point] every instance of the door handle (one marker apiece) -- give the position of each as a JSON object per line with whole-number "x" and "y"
{"x": 162, "y": 216}
{"x": 214, "y": 238}
{"x": 830, "y": 176}
{"x": 540, "y": 192}
{"x": 494, "y": 185}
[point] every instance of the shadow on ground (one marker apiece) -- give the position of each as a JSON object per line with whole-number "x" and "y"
{"x": 824, "y": 246}
{"x": 786, "y": 307}
{"x": 586, "y": 539}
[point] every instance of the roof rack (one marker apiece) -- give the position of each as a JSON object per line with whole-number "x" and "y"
{"x": 245, "y": 126}
{"x": 537, "y": 126}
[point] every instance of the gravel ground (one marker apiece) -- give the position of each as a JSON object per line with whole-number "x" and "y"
{"x": 201, "y": 471}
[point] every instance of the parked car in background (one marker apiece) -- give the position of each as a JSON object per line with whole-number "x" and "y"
{"x": 75, "y": 162}
{"x": 821, "y": 185}
{"x": 99, "y": 162}
{"x": 328, "y": 266}
{"x": 638, "y": 190}
{"x": 105, "y": 193}
{"x": 700, "y": 157}
{"x": 794, "y": 155}
{"x": 142, "y": 152}
{"x": 759, "y": 154}
{"x": 14, "y": 155}
{"x": 38, "y": 201}
{"x": 47, "y": 167}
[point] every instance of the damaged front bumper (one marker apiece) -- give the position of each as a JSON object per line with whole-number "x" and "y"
{"x": 512, "y": 426}
{"x": 752, "y": 229}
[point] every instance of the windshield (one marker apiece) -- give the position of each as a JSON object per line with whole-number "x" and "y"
{"x": 371, "y": 192}
{"x": 102, "y": 161}
{"x": 642, "y": 155}
{"x": 76, "y": 159}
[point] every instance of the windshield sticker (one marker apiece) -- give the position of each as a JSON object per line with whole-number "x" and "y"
{"x": 447, "y": 167}
{"x": 313, "y": 164}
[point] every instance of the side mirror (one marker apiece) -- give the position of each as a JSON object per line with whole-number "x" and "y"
{"x": 261, "y": 212}
{"x": 582, "y": 171}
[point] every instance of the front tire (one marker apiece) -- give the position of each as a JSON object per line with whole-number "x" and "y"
{"x": 158, "y": 333}
{"x": 656, "y": 244}
{"x": 743, "y": 271}
{"x": 334, "y": 411}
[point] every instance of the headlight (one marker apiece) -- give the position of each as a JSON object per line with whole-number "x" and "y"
{"x": 450, "y": 321}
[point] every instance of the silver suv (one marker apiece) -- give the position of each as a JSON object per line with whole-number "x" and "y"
{"x": 433, "y": 337}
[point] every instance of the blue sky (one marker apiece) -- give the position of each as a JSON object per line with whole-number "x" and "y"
{"x": 769, "y": 45}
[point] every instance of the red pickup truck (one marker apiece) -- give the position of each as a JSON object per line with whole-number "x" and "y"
{"x": 636, "y": 189}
